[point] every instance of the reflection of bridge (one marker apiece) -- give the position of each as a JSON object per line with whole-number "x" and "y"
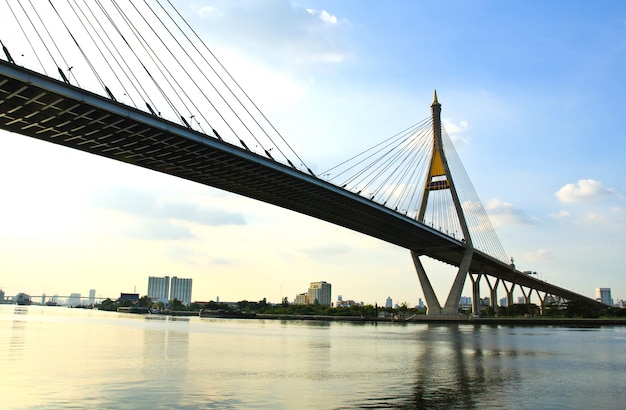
{"x": 54, "y": 110}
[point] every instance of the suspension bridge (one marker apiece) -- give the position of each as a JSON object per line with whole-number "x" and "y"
{"x": 191, "y": 119}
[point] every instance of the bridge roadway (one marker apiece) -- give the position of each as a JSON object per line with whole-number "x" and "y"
{"x": 41, "y": 107}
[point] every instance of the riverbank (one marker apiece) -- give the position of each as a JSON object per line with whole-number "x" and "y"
{"x": 511, "y": 321}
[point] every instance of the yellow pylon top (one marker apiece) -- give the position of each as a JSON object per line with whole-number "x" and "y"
{"x": 435, "y": 102}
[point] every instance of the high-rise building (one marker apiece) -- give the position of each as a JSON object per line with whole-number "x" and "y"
{"x": 74, "y": 300}
{"x": 320, "y": 291}
{"x": 92, "y": 296}
{"x": 604, "y": 295}
{"x": 181, "y": 289}
{"x": 389, "y": 302}
{"x": 1, "y": 296}
{"x": 159, "y": 288}
{"x": 301, "y": 299}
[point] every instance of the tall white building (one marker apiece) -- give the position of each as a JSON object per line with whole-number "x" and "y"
{"x": 92, "y": 296}
{"x": 320, "y": 291}
{"x": 604, "y": 295}
{"x": 181, "y": 289}
{"x": 73, "y": 300}
{"x": 389, "y": 302}
{"x": 159, "y": 288}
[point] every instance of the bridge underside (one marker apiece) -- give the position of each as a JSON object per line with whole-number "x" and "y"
{"x": 41, "y": 107}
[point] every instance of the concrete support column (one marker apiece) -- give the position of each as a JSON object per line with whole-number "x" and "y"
{"x": 475, "y": 293}
{"x": 493, "y": 293}
{"x": 434, "y": 308}
{"x": 509, "y": 293}
{"x": 452, "y": 303}
{"x": 526, "y": 295}
{"x": 542, "y": 301}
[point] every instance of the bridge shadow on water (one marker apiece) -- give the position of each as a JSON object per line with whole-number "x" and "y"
{"x": 457, "y": 366}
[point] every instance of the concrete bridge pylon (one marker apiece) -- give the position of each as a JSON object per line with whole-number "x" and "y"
{"x": 440, "y": 178}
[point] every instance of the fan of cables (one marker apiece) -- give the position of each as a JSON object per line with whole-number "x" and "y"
{"x": 143, "y": 54}
{"x": 394, "y": 173}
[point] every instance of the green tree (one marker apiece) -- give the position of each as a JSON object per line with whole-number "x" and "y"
{"x": 145, "y": 301}
{"x": 585, "y": 308}
{"x": 176, "y": 305}
{"x": 488, "y": 311}
{"x": 125, "y": 303}
{"x": 107, "y": 304}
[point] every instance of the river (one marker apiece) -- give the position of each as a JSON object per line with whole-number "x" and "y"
{"x": 55, "y": 357}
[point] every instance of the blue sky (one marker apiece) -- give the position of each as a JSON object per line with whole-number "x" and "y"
{"x": 532, "y": 93}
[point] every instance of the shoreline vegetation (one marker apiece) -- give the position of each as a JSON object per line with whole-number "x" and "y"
{"x": 572, "y": 313}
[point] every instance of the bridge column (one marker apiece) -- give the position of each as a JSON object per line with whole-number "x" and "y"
{"x": 526, "y": 295}
{"x": 493, "y": 292}
{"x": 434, "y": 308}
{"x": 454, "y": 297}
{"x": 509, "y": 293}
{"x": 475, "y": 293}
{"x": 542, "y": 301}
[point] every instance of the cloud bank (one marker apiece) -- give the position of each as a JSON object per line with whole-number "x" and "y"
{"x": 584, "y": 190}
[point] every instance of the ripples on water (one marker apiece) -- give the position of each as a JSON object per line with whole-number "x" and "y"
{"x": 53, "y": 357}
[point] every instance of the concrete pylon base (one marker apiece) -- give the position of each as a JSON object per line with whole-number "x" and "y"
{"x": 451, "y": 308}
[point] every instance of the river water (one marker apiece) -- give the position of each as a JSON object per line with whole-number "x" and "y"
{"x": 55, "y": 357}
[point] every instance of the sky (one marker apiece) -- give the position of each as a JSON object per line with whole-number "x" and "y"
{"x": 532, "y": 93}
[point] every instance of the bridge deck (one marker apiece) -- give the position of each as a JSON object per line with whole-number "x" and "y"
{"x": 41, "y": 107}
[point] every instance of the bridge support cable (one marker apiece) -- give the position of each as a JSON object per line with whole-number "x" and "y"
{"x": 239, "y": 88}
{"x": 219, "y": 93}
{"x": 26, "y": 37}
{"x": 39, "y": 36}
{"x": 146, "y": 53}
{"x": 112, "y": 57}
{"x": 484, "y": 235}
{"x": 386, "y": 172}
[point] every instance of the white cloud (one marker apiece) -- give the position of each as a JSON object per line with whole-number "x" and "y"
{"x": 539, "y": 254}
{"x": 561, "y": 214}
{"x": 596, "y": 218}
{"x": 585, "y": 189}
{"x": 504, "y": 213}
{"x": 205, "y": 11}
{"x": 453, "y": 128}
{"x": 455, "y": 131}
{"x": 326, "y": 17}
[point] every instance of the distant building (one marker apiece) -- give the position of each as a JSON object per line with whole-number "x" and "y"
{"x": 465, "y": 301}
{"x": 73, "y": 300}
{"x": 133, "y": 297}
{"x": 320, "y": 292}
{"x": 389, "y": 302}
{"x": 420, "y": 304}
{"x": 159, "y": 288}
{"x": 92, "y": 296}
{"x": 301, "y": 299}
{"x": 180, "y": 288}
{"x": 346, "y": 303}
{"x": 604, "y": 295}
{"x": 1, "y": 296}
{"x": 503, "y": 302}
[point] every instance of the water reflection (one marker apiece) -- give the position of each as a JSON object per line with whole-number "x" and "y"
{"x": 455, "y": 366}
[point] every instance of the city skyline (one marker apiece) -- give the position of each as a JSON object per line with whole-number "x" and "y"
{"x": 522, "y": 97}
